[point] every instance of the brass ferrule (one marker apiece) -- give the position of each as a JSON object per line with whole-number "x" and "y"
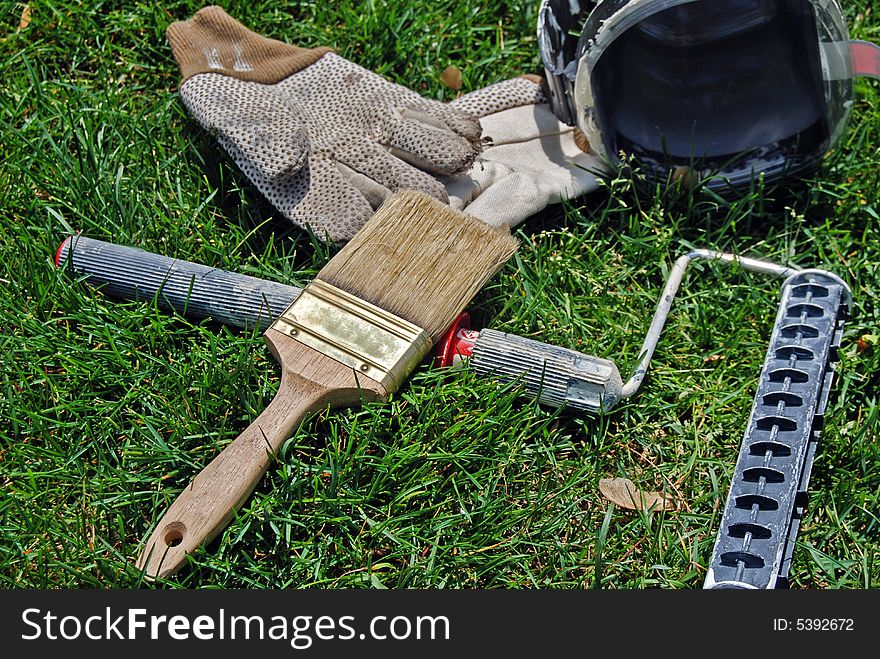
{"x": 365, "y": 337}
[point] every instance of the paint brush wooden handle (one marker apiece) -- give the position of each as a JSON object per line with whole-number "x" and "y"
{"x": 209, "y": 502}
{"x": 369, "y": 317}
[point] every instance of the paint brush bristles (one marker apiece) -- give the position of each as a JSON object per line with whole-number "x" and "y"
{"x": 420, "y": 260}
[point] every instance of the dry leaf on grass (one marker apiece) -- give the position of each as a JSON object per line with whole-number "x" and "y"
{"x": 867, "y": 341}
{"x": 624, "y": 493}
{"x": 451, "y": 77}
{"x": 25, "y": 17}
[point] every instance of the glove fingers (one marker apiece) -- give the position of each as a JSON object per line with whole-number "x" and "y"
{"x": 322, "y": 198}
{"x": 252, "y": 118}
{"x": 374, "y": 193}
{"x": 524, "y": 90}
{"x": 317, "y": 197}
{"x": 428, "y": 147}
{"x": 443, "y": 115}
{"x": 374, "y": 162}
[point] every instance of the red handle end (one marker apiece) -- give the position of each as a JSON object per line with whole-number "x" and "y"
{"x": 457, "y": 343}
{"x": 58, "y": 253}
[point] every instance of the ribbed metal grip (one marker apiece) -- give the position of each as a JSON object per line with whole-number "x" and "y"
{"x": 189, "y": 288}
{"x": 768, "y": 492}
{"x": 555, "y": 376}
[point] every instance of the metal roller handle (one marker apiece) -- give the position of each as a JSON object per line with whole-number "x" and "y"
{"x": 555, "y": 376}
{"x": 191, "y": 289}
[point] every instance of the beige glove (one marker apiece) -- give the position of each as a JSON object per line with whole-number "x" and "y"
{"x": 324, "y": 139}
{"x": 530, "y": 159}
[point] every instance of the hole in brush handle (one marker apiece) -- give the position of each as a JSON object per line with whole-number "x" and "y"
{"x": 173, "y": 533}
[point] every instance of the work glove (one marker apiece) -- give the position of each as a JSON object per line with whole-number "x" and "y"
{"x": 322, "y": 138}
{"x": 529, "y": 160}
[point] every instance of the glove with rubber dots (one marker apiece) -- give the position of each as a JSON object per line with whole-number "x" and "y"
{"x": 323, "y": 139}
{"x": 529, "y": 160}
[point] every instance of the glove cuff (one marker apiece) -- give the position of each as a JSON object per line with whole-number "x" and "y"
{"x": 214, "y": 42}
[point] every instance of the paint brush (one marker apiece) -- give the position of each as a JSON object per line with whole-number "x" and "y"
{"x": 373, "y": 312}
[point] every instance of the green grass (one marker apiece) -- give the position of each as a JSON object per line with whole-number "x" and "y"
{"x": 109, "y": 408}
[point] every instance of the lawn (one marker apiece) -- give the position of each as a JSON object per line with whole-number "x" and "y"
{"x": 108, "y": 408}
